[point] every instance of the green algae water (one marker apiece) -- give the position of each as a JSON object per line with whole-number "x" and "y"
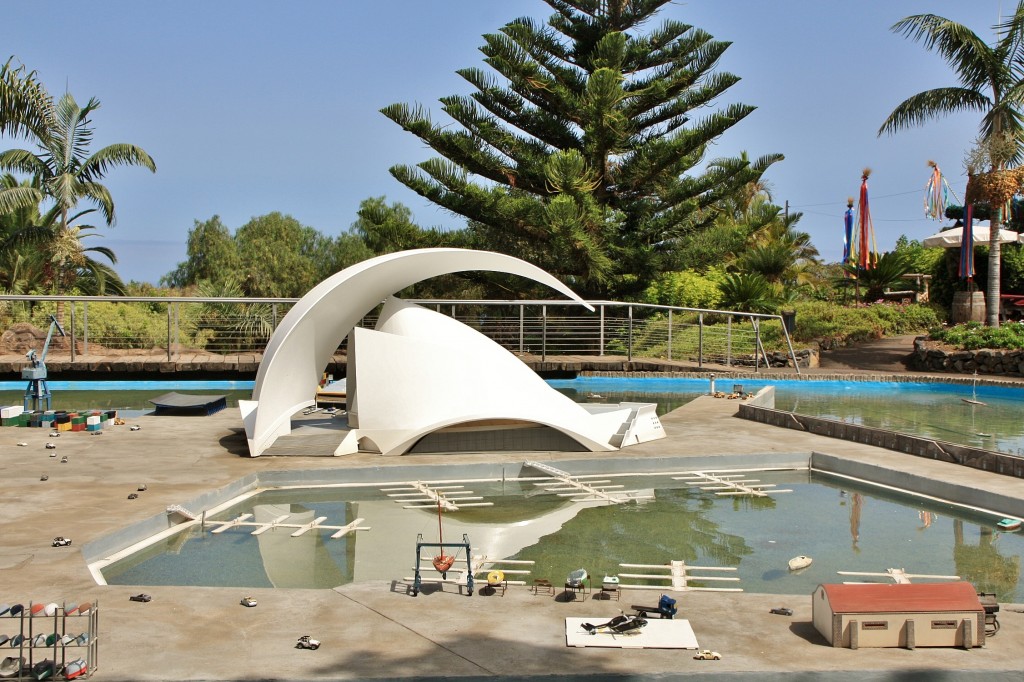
{"x": 841, "y": 526}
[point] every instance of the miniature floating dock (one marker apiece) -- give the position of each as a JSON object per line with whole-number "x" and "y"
{"x": 567, "y": 485}
{"x": 423, "y": 496}
{"x": 279, "y": 522}
{"x": 730, "y": 484}
{"x": 185, "y": 403}
{"x": 678, "y": 577}
{"x": 897, "y": 575}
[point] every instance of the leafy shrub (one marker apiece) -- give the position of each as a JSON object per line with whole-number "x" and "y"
{"x": 973, "y": 336}
{"x": 686, "y": 289}
{"x": 833, "y": 325}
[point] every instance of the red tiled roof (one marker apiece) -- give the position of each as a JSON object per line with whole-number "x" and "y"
{"x": 917, "y": 597}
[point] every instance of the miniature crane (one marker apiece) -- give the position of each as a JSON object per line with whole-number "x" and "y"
{"x": 37, "y": 392}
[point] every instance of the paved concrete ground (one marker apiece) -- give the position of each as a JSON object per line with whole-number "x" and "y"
{"x": 377, "y": 630}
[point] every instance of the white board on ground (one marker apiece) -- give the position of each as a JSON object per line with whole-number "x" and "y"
{"x": 657, "y": 634}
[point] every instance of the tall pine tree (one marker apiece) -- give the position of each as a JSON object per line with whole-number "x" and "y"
{"x": 584, "y": 157}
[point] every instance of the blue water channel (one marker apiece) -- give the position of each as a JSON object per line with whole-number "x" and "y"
{"x": 933, "y": 410}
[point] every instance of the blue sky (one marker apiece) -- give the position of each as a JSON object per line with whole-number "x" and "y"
{"x": 251, "y": 106}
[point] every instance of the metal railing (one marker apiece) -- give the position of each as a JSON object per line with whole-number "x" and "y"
{"x": 225, "y": 326}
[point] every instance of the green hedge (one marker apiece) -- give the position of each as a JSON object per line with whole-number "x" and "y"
{"x": 974, "y": 336}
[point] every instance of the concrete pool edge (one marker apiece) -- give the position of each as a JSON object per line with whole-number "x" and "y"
{"x": 115, "y": 546}
{"x": 103, "y": 550}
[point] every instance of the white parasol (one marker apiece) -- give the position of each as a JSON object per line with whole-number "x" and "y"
{"x": 950, "y": 239}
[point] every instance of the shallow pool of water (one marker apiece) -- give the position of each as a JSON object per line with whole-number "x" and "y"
{"x": 842, "y": 527}
{"x": 933, "y": 410}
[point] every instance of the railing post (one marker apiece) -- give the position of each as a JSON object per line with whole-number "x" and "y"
{"x": 177, "y": 324}
{"x": 728, "y": 342}
{"x": 85, "y": 327}
{"x": 522, "y": 330}
{"x": 757, "y": 344}
{"x": 72, "y": 307}
{"x": 669, "y": 334}
{"x": 543, "y": 333}
{"x": 629, "y": 345}
{"x": 169, "y": 315}
{"x": 700, "y": 340}
{"x": 600, "y": 351}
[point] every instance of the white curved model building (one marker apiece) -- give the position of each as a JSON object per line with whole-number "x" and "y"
{"x": 421, "y": 381}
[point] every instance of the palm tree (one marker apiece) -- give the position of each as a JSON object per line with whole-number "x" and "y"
{"x": 990, "y": 83}
{"x": 39, "y": 255}
{"x": 24, "y": 108}
{"x": 66, "y": 172}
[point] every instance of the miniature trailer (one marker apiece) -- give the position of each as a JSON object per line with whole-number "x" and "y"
{"x": 902, "y": 615}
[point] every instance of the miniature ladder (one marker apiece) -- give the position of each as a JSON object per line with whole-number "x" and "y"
{"x": 733, "y": 484}
{"x": 424, "y": 496}
{"x": 181, "y": 511}
{"x": 567, "y": 485}
{"x": 898, "y": 576}
{"x": 483, "y": 564}
{"x": 279, "y": 522}
{"x": 678, "y": 577}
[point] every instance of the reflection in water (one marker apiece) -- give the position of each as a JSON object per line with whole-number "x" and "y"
{"x": 298, "y": 561}
{"x": 855, "y": 510}
{"x": 982, "y": 564}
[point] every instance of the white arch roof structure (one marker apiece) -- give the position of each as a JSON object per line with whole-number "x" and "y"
{"x": 420, "y": 372}
{"x": 304, "y": 342}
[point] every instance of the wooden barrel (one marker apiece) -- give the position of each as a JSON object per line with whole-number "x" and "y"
{"x": 968, "y": 306}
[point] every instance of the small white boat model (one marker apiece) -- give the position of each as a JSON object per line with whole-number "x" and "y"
{"x": 577, "y": 578}
{"x": 798, "y": 562}
{"x": 973, "y": 400}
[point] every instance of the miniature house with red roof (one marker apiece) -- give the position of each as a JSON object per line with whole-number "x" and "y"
{"x": 899, "y": 615}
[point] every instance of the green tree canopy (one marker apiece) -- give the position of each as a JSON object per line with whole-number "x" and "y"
{"x": 583, "y": 154}
{"x": 991, "y": 82}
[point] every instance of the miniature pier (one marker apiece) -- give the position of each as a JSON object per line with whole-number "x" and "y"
{"x": 678, "y": 577}
{"x": 898, "y": 575}
{"x": 567, "y": 485}
{"x": 730, "y": 484}
{"x": 279, "y": 522}
{"x": 423, "y": 496}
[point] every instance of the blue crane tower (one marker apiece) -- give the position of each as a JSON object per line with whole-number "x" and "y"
{"x": 37, "y": 393}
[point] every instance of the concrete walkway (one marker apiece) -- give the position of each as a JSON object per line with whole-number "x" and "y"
{"x": 378, "y": 630}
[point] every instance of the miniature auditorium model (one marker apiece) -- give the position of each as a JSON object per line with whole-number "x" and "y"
{"x": 421, "y": 381}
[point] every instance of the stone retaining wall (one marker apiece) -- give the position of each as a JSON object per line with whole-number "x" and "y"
{"x": 982, "y": 361}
